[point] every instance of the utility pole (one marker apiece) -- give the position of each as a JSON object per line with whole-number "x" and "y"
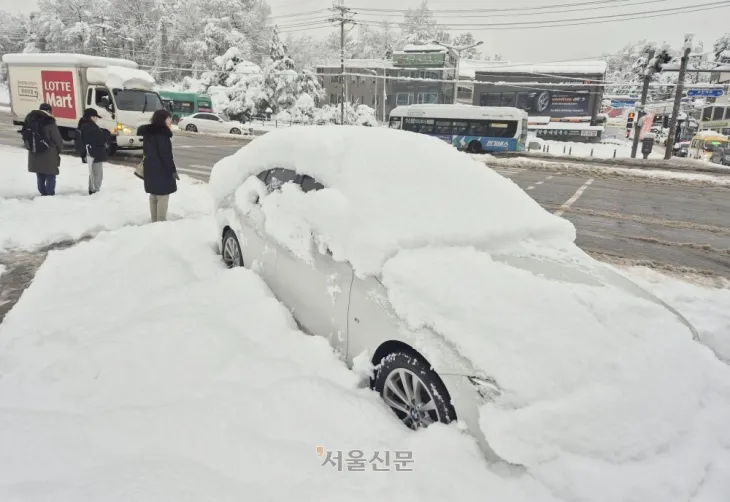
{"x": 342, "y": 16}
{"x": 457, "y": 50}
{"x": 678, "y": 97}
{"x": 648, "y": 74}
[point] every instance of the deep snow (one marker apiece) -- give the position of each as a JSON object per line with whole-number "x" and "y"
{"x": 156, "y": 374}
{"x": 30, "y": 221}
{"x": 185, "y": 381}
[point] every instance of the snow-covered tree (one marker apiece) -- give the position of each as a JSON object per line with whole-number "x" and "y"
{"x": 419, "y": 26}
{"x": 466, "y": 39}
{"x": 279, "y": 52}
{"x": 721, "y": 48}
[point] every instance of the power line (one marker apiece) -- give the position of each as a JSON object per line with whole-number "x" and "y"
{"x": 511, "y": 9}
{"x": 509, "y": 12}
{"x": 571, "y": 22}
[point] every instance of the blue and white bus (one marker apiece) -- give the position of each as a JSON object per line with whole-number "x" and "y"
{"x": 469, "y": 128}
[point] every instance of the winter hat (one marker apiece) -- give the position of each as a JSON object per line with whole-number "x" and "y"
{"x": 45, "y": 107}
{"x": 90, "y": 112}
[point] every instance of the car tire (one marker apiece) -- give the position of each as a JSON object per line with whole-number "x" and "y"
{"x": 474, "y": 147}
{"x": 235, "y": 130}
{"x": 191, "y": 128}
{"x": 232, "y": 256}
{"x": 414, "y": 392}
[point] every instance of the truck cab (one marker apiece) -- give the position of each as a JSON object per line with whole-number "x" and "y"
{"x": 121, "y": 93}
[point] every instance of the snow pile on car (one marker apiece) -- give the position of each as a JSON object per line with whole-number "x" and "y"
{"x": 399, "y": 190}
{"x": 606, "y": 396}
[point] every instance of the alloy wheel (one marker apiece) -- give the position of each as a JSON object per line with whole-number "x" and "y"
{"x": 411, "y": 400}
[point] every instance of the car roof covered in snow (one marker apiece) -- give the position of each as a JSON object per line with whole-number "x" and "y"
{"x": 388, "y": 190}
{"x": 62, "y": 59}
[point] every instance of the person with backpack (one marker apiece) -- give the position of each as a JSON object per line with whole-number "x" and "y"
{"x": 44, "y": 143}
{"x": 93, "y": 143}
{"x": 159, "y": 171}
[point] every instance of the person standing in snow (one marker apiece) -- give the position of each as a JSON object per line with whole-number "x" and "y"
{"x": 94, "y": 141}
{"x": 159, "y": 171}
{"x": 44, "y": 159}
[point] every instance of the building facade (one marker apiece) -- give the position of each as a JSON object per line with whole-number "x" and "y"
{"x": 417, "y": 74}
{"x": 569, "y": 109}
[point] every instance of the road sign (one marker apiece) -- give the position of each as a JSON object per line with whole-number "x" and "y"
{"x": 620, "y": 103}
{"x": 707, "y": 93}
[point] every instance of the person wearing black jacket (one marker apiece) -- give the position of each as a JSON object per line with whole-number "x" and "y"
{"x": 45, "y": 164}
{"x": 94, "y": 140}
{"x": 159, "y": 171}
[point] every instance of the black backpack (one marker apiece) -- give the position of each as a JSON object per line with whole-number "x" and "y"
{"x": 33, "y": 137}
{"x": 79, "y": 144}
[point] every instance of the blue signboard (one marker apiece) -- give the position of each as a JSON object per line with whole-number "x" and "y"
{"x": 706, "y": 93}
{"x": 622, "y": 104}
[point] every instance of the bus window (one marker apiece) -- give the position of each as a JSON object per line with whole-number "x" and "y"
{"x": 717, "y": 112}
{"x": 501, "y": 129}
{"x": 478, "y": 127}
{"x": 442, "y": 127}
{"x": 460, "y": 128}
{"x": 424, "y": 126}
{"x": 395, "y": 122}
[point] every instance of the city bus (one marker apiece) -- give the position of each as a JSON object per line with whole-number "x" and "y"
{"x": 183, "y": 104}
{"x": 474, "y": 129}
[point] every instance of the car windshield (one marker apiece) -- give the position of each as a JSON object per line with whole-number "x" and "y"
{"x": 137, "y": 101}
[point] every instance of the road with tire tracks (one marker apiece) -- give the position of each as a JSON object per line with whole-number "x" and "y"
{"x": 667, "y": 224}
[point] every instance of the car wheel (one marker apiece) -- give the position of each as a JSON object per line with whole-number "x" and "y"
{"x": 235, "y": 130}
{"x": 191, "y": 128}
{"x": 413, "y": 390}
{"x": 475, "y": 147}
{"x": 231, "y": 250}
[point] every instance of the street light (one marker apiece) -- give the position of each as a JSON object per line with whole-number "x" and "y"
{"x": 458, "y": 50}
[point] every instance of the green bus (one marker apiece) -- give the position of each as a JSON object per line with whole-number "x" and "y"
{"x": 182, "y": 104}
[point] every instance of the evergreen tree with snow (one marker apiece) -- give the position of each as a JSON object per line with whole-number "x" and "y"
{"x": 721, "y": 48}
{"x": 279, "y": 52}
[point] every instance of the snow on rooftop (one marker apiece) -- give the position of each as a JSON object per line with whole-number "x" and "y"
{"x": 566, "y": 67}
{"x": 474, "y": 204}
{"x": 358, "y": 63}
{"x": 423, "y": 48}
{"x": 117, "y": 77}
{"x": 59, "y": 59}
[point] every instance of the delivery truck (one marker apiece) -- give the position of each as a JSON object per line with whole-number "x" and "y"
{"x": 121, "y": 93}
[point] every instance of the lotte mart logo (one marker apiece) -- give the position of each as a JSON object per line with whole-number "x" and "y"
{"x": 358, "y": 461}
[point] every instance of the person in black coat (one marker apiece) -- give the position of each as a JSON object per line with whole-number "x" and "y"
{"x": 159, "y": 171}
{"x": 94, "y": 140}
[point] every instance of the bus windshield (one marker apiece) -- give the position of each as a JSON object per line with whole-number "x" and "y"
{"x": 137, "y": 101}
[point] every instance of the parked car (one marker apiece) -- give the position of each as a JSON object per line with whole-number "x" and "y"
{"x": 457, "y": 288}
{"x": 681, "y": 149}
{"x": 210, "y": 123}
{"x": 721, "y": 156}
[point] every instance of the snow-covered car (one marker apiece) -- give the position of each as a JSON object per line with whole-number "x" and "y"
{"x": 462, "y": 297}
{"x": 211, "y": 123}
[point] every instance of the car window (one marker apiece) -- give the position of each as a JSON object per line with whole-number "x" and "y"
{"x": 277, "y": 177}
{"x": 309, "y": 184}
{"x": 262, "y": 175}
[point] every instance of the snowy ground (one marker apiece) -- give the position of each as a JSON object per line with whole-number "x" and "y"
{"x": 599, "y": 150}
{"x": 30, "y": 221}
{"x": 136, "y": 367}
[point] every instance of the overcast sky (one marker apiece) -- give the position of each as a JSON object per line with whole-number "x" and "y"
{"x": 533, "y": 45}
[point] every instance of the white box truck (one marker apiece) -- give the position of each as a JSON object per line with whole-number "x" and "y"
{"x": 121, "y": 93}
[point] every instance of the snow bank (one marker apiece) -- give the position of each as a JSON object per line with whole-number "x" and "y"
{"x": 605, "y": 395}
{"x": 399, "y": 189}
{"x": 30, "y": 221}
{"x": 596, "y": 150}
{"x": 4, "y": 95}
{"x": 185, "y": 381}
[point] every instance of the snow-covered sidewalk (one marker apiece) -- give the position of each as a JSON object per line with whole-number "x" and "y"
{"x": 30, "y": 221}
{"x": 156, "y": 374}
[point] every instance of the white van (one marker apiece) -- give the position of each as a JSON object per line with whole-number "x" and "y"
{"x": 121, "y": 93}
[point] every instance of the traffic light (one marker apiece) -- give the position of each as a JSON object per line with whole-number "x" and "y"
{"x": 630, "y": 120}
